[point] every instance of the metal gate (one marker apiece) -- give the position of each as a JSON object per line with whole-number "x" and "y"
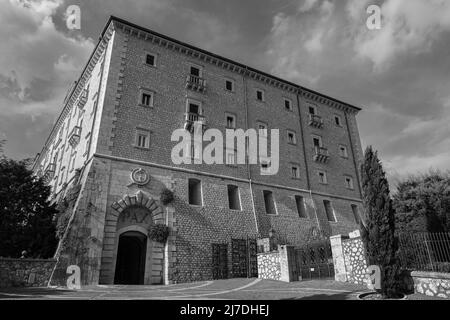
{"x": 220, "y": 261}
{"x": 315, "y": 260}
{"x": 244, "y": 260}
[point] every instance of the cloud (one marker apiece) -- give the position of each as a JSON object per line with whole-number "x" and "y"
{"x": 293, "y": 38}
{"x": 408, "y": 27}
{"x": 32, "y": 79}
{"x": 399, "y": 75}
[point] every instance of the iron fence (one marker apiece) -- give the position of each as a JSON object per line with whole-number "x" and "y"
{"x": 425, "y": 251}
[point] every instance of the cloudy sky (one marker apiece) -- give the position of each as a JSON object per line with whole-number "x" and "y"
{"x": 399, "y": 74}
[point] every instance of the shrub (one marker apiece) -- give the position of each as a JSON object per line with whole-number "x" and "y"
{"x": 159, "y": 233}
{"x": 166, "y": 196}
{"x": 378, "y": 232}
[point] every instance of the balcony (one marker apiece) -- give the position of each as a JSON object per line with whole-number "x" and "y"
{"x": 83, "y": 99}
{"x": 315, "y": 121}
{"x": 191, "y": 118}
{"x": 49, "y": 172}
{"x": 75, "y": 136}
{"x": 321, "y": 154}
{"x": 195, "y": 83}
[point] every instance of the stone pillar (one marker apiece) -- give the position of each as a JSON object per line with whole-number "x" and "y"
{"x": 169, "y": 247}
{"x": 340, "y": 272}
{"x": 288, "y": 266}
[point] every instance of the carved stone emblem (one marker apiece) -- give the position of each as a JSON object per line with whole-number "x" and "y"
{"x": 140, "y": 176}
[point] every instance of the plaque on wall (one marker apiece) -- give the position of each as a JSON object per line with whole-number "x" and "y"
{"x": 140, "y": 176}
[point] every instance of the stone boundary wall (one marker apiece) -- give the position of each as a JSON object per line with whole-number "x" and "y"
{"x": 25, "y": 272}
{"x": 433, "y": 284}
{"x": 269, "y": 266}
{"x": 355, "y": 260}
{"x": 349, "y": 259}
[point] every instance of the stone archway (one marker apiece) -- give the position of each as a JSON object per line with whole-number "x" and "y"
{"x": 132, "y": 214}
{"x": 131, "y": 256}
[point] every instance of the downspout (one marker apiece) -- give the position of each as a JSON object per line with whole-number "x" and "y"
{"x": 353, "y": 155}
{"x": 308, "y": 182}
{"x": 248, "y": 164}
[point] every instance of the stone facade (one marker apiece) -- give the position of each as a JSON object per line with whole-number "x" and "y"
{"x": 25, "y": 272}
{"x": 269, "y": 266}
{"x": 107, "y": 154}
{"x": 432, "y": 284}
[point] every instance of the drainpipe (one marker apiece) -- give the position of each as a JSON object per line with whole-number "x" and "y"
{"x": 308, "y": 181}
{"x": 248, "y": 164}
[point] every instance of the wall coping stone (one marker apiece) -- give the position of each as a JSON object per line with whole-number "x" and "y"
{"x": 432, "y": 275}
{"x": 27, "y": 260}
{"x": 263, "y": 253}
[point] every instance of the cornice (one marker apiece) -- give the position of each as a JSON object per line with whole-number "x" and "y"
{"x": 227, "y": 64}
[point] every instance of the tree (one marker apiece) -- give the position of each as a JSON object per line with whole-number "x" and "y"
{"x": 422, "y": 203}
{"x": 378, "y": 229}
{"x": 26, "y": 216}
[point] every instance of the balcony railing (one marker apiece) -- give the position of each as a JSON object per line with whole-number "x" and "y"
{"x": 83, "y": 99}
{"x": 315, "y": 121}
{"x": 191, "y": 118}
{"x": 195, "y": 83}
{"x": 49, "y": 172}
{"x": 75, "y": 136}
{"x": 321, "y": 154}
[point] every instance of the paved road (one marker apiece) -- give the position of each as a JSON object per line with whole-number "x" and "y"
{"x": 234, "y": 289}
{"x": 248, "y": 289}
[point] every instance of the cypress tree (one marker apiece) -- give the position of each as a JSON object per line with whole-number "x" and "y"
{"x": 378, "y": 232}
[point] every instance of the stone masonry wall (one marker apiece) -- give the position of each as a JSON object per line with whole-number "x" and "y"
{"x": 25, "y": 272}
{"x": 269, "y": 266}
{"x": 432, "y": 284}
{"x": 355, "y": 261}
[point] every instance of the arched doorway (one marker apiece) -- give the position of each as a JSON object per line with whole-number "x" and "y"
{"x": 131, "y": 254}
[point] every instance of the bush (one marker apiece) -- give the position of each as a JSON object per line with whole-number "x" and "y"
{"x": 378, "y": 232}
{"x": 166, "y": 196}
{"x": 159, "y": 233}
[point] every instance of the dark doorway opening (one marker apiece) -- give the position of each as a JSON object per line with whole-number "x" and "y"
{"x": 130, "y": 265}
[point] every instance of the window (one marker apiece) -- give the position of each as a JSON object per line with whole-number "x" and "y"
{"x": 233, "y": 198}
{"x": 146, "y": 98}
{"x": 265, "y": 166}
{"x": 259, "y": 95}
{"x": 195, "y": 151}
{"x": 329, "y": 211}
{"x": 343, "y": 151}
{"x": 349, "y": 182}
{"x": 262, "y": 126}
{"x": 229, "y": 85}
{"x": 150, "y": 59}
{"x": 322, "y": 177}
{"x": 337, "y": 121}
{"x": 142, "y": 139}
{"x": 291, "y": 137}
{"x": 317, "y": 141}
{"x": 195, "y": 192}
{"x": 312, "y": 110}
{"x": 269, "y": 202}
{"x": 356, "y": 213}
{"x": 231, "y": 156}
{"x": 295, "y": 172}
{"x": 231, "y": 121}
{"x": 193, "y": 107}
{"x": 72, "y": 164}
{"x": 195, "y": 71}
{"x": 288, "y": 104}
{"x": 301, "y": 207}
